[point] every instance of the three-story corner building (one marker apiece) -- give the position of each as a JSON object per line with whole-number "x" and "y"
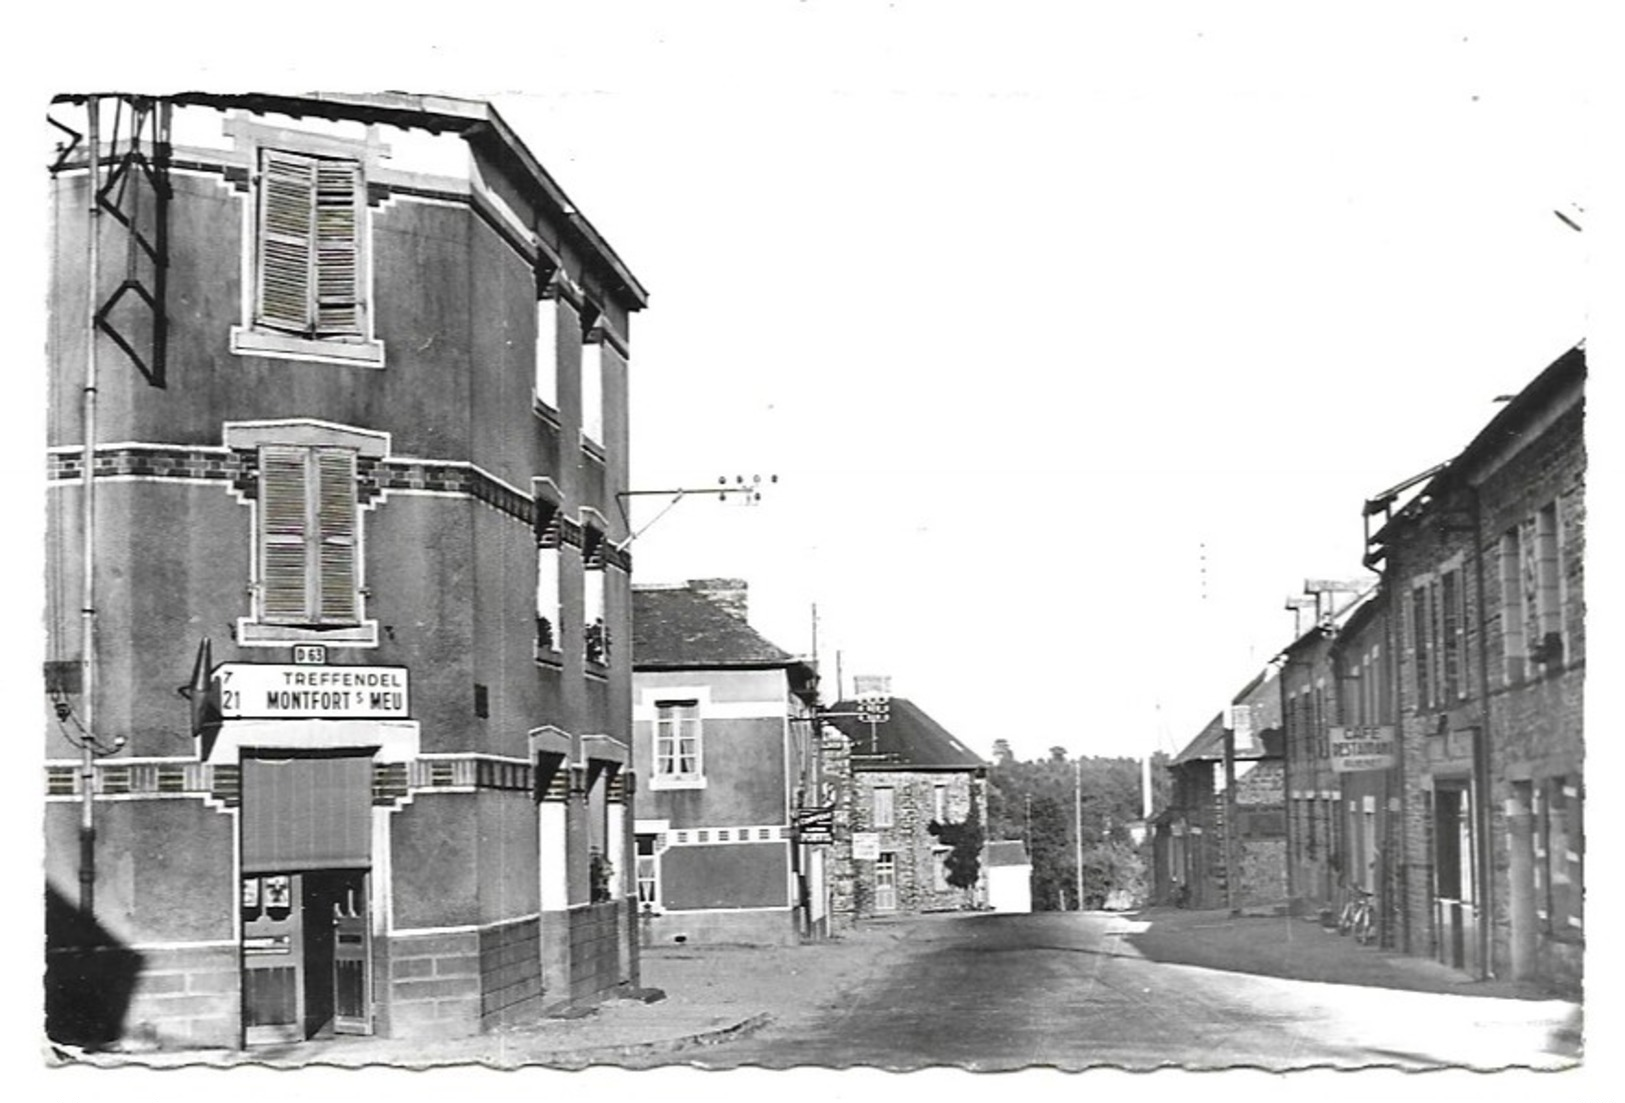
{"x": 337, "y": 422}
{"x": 727, "y": 745}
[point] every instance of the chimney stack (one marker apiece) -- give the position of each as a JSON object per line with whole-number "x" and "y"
{"x": 730, "y": 593}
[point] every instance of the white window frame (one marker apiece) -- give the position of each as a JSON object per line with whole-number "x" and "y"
{"x": 254, "y": 337}
{"x": 313, "y": 437}
{"x": 592, "y": 393}
{"x": 651, "y": 862}
{"x": 889, "y": 805}
{"x": 595, "y": 593}
{"x": 545, "y": 383}
{"x": 693, "y": 778}
{"x": 1514, "y": 652}
{"x": 548, "y": 599}
{"x": 886, "y": 881}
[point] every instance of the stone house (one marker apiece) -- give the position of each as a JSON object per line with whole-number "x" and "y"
{"x": 1221, "y": 842}
{"x": 900, "y": 776}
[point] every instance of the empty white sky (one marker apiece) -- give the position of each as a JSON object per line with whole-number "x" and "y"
{"x": 1028, "y": 308}
{"x": 1025, "y": 310}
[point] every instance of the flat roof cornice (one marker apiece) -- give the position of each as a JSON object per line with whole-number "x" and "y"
{"x": 474, "y": 120}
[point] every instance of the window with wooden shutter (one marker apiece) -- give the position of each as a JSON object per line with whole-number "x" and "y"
{"x": 308, "y": 564}
{"x": 309, "y": 262}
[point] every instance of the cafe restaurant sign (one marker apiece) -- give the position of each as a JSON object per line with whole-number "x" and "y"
{"x": 1368, "y": 747}
{"x": 273, "y": 691}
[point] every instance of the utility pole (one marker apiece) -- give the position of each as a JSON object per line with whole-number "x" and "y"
{"x": 87, "y": 607}
{"x": 1145, "y": 791}
{"x": 1230, "y": 870}
{"x": 1077, "y": 811}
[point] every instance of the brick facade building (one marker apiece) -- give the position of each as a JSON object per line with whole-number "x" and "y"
{"x": 1483, "y": 578}
{"x": 353, "y": 412}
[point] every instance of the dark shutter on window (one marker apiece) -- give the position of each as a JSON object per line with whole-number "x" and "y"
{"x": 284, "y": 527}
{"x": 287, "y": 196}
{"x": 306, "y": 813}
{"x": 336, "y": 550}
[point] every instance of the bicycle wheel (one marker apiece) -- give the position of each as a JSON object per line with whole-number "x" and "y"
{"x": 1362, "y": 926}
{"x": 1345, "y": 922}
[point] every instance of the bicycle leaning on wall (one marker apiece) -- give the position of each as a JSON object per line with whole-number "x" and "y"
{"x": 1358, "y": 916}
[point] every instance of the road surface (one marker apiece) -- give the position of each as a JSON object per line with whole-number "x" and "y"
{"x": 1068, "y": 990}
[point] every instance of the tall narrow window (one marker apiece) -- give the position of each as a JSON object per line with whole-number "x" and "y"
{"x": 883, "y": 807}
{"x": 1548, "y": 646}
{"x": 677, "y": 745}
{"x": 546, "y": 387}
{"x": 1451, "y": 636}
{"x": 1420, "y": 624}
{"x": 886, "y": 882}
{"x": 939, "y": 803}
{"x": 597, "y": 634}
{"x": 647, "y": 873}
{"x": 547, "y": 600}
{"x": 1512, "y": 620}
{"x": 307, "y": 521}
{"x": 548, "y": 640}
{"x": 592, "y": 392}
{"x": 1560, "y": 830}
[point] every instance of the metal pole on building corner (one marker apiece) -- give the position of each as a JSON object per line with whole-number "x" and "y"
{"x": 87, "y": 606}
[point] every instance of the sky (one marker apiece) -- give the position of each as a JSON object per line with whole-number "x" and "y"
{"x": 1076, "y": 344}
{"x": 1075, "y": 339}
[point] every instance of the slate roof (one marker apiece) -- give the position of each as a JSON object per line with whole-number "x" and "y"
{"x": 1007, "y": 852}
{"x": 1208, "y": 746}
{"x": 908, "y": 740}
{"x": 678, "y": 628}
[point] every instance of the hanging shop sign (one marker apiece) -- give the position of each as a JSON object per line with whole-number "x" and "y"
{"x": 1368, "y": 747}
{"x": 816, "y": 825}
{"x": 275, "y": 691}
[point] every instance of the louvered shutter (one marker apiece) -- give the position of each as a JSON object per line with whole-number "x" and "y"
{"x": 338, "y": 250}
{"x": 336, "y": 525}
{"x": 284, "y": 543}
{"x": 287, "y": 245}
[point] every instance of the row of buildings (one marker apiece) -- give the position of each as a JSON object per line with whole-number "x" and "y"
{"x": 1421, "y": 736}
{"x": 354, "y": 722}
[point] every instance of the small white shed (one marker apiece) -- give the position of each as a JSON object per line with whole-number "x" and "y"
{"x": 1009, "y": 876}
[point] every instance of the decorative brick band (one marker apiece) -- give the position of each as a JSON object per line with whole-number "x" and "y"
{"x": 240, "y": 467}
{"x": 558, "y": 787}
{"x": 201, "y": 779}
{"x": 157, "y": 461}
{"x": 392, "y": 782}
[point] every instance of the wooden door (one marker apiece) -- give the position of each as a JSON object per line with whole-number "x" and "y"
{"x": 273, "y": 959}
{"x": 352, "y": 954}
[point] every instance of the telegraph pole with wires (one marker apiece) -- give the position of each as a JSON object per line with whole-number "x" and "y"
{"x": 1077, "y": 812}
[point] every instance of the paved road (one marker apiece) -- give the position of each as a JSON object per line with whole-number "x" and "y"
{"x": 1069, "y": 990}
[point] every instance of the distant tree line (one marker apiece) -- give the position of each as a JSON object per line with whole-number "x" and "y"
{"x": 1034, "y": 801}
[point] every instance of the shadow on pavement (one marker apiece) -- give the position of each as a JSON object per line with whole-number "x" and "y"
{"x": 1294, "y": 948}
